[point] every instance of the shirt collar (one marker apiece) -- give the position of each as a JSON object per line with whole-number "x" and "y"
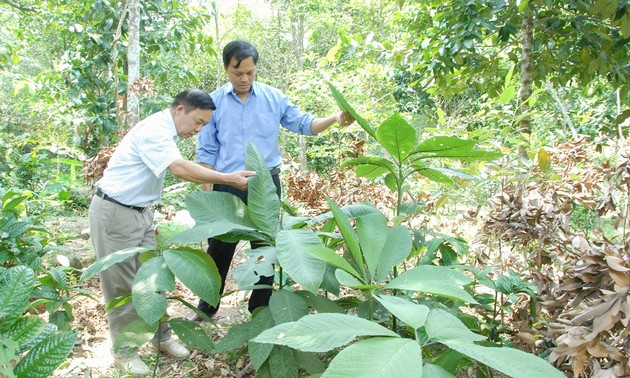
{"x": 229, "y": 88}
{"x": 168, "y": 117}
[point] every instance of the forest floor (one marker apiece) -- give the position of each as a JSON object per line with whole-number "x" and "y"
{"x": 92, "y": 358}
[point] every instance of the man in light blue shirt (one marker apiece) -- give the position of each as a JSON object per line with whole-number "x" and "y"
{"x": 249, "y": 111}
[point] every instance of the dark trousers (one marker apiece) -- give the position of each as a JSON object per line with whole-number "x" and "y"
{"x": 222, "y": 254}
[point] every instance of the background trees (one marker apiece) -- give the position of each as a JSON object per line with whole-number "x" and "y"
{"x": 543, "y": 82}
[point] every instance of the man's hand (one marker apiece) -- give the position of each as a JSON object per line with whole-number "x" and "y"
{"x": 344, "y": 119}
{"x": 239, "y": 179}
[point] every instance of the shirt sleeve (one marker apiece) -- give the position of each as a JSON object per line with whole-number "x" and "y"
{"x": 158, "y": 152}
{"x": 208, "y": 144}
{"x": 293, "y": 119}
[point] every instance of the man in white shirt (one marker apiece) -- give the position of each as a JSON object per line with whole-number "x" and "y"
{"x": 133, "y": 181}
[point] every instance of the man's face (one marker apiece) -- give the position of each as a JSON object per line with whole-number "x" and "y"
{"x": 189, "y": 124}
{"x": 243, "y": 76}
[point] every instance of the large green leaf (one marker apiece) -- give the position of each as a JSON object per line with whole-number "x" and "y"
{"x": 220, "y": 229}
{"x": 320, "y": 303}
{"x": 453, "y": 148}
{"x": 321, "y": 332}
{"x": 25, "y": 331}
{"x": 209, "y": 207}
{"x": 396, "y": 250}
{"x": 17, "y": 285}
{"x": 135, "y": 334}
{"x": 46, "y": 356}
{"x": 263, "y": 204}
{"x": 241, "y": 333}
{"x": 442, "y": 326}
{"x": 259, "y": 353}
{"x": 287, "y": 306}
{"x": 260, "y": 263}
{"x": 48, "y": 330}
{"x": 397, "y": 137}
{"x": 370, "y": 166}
{"x": 331, "y": 257}
{"x": 107, "y": 261}
{"x": 437, "y": 280}
{"x": 191, "y": 334}
{"x": 305, "y": 269}
{"x": 309, "y": 362}
{"x": 349, "y": 280}
{"x": 513, "y": 362}
{"x": 282, "y": 363}
{"x": 379, "y": 357}
{"x": 370, "y": 171}
{"x": 152, "y": 280}
{"x": 343, "y": 104}
{"x": 349, "y": 236}
{"x": 445, "y": 146}
{"x": 197, "y": 271}
{"x": 372, "y": 231}
{"x": 432, "y": 174}
{"x": 434, "y": 371}
{"x": 413, "y": 314}
{"x": 351, "y": 211}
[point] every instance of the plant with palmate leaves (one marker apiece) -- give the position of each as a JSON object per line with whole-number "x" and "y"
{"x": 373, "y": 249}
{"x": 383, "y": 353}
{"x": 406, "y": 156}
{"x": 156, "y": 276}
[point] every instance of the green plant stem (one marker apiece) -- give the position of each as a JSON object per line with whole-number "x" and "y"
{"x": 280, "y": 276}
{"x": 157, "y": 351}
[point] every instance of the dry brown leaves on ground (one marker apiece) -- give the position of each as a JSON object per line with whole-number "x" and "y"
{"x": 585, "y": 286}
{"x": 342, "y": 186}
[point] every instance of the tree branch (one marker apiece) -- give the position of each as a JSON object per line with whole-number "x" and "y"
{"x": 23, "y": 8}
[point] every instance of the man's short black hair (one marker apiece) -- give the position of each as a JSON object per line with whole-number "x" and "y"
{"x": 240, "y": 50}
{"x": 193, "y": 99}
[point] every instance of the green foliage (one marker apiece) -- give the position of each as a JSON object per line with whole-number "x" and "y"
{"x": 30, "y": 346}
{"x": 193, "y": 267}
{"x": 373, "y": 250}
{"x": 386, "y": 353}
{"x": 406, "y": 156}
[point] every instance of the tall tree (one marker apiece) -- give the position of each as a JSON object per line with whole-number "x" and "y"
{"x": 133, "y": 64}
{"x": 458, "y": 44}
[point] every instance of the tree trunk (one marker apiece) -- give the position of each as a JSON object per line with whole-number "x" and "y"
{"x": 527, "y": 68}
{"x": 133, "y": 61}
{"x": 215, "y": 9}
{"x": 563, "y": 111}
{"x": 120, "y": 110}
{"x": 297, "y": 34}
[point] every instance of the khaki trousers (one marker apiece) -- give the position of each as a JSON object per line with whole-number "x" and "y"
{"x": 114, "y": 227}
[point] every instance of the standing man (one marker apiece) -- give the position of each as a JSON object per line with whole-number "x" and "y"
{"x": 249, "y": 111}
{"x": 132, "y": 181}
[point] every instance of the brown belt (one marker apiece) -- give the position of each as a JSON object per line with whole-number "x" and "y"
{"x": 104, "y": 196}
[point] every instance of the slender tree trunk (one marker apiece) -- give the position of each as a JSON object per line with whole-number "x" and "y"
{"x": 120, "y": 110}
{"x": 563, "y": 110}
{"x": 215, "y": 9}
{"x": 527, "y": 68}
{"x": 133, "y": 61}
{"x": 297, "y": 33}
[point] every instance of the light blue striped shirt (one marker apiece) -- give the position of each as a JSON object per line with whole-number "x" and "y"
{"x": 223, "y": 141}
{"x": 135, "y": 172}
